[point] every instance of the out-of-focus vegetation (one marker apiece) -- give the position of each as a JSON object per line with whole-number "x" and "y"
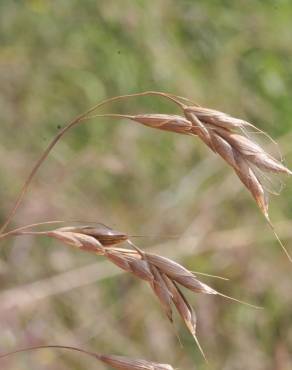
{"x": 57, "y": 58}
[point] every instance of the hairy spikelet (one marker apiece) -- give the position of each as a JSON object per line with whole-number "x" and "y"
{"x": 104, "y": 234}
{"x": 165, "y": 122}
{"x": 163, "y": 274}
{"x": 219, "y": 132}
{"x": 124, "y": 363}
{"x": 162, "y": 292}
{"x": 222, "y": 133}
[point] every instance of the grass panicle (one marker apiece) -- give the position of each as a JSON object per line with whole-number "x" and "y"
{"x": 163, "y": 274}
{"x": 225, "y": 135}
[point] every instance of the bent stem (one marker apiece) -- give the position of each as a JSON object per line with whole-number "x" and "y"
{"x": 92, "y": 354}
{"x": 22, "y": 228}
{"x": 55, "y": 140}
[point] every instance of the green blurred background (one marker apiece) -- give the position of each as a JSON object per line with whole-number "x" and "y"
{"x": 57, "y": 58}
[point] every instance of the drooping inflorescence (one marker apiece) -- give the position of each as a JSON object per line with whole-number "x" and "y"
{"x": 224, "y": 135}
{"x": 162, "y": 274}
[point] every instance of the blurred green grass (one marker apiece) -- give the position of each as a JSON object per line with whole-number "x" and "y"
{"x": 59, "y": 58}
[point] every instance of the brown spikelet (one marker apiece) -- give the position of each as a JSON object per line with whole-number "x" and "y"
{"x": 238, "y": 151}
{"x": 250, "y": 180}
{"x": 197, "y": 121}
{"x": 81, "y": 241}
{"x": 125, "y": 363}
{"x": 116, "y": 362}
{"x": 169, "y": 267}
{"x": 118, "y": 259}
{"x": 253, "y": 152}
{"x": 191, "y": 283}
{"x": 217, "y": 118}
{"x": 185, "y": 310}
{"x": 162, "y": 292}
{"x": 104, "y": 234}
{"x": 141, "y": 269}
{"x": 162, "y": 274}
{"x": 219, "y": 131}
{"x": 179, "y": 273}
{"x": 166, "y": 122}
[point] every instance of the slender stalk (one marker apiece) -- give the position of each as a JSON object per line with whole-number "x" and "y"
{"x": 92, "y": 354}
{"x": 71, "y": 124}
{"x": 22, "y": 228}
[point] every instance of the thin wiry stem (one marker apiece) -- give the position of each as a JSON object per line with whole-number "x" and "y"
{"x": 71, "y": 124}
{"x": 22, "y": 228}
{"x": 92, "y": 354}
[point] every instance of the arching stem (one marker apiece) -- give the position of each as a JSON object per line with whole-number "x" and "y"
{"x": 71, "y": 124}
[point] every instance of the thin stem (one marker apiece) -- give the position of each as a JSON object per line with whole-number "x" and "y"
{"x": 109, "y": 115}
{"x": 35, "y": 169}
{"x": 92, "y": 354}
{"x": 72, "y": 123}
{"x": 19, "y": 229}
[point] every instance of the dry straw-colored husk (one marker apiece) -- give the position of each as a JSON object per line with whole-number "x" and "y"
{"x": 163, "y": 274}
{"x": 116, "y": 362}
{"x": 225, "y": 135}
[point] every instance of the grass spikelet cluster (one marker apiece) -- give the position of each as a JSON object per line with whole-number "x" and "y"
{"x": 224, "y": 135}
{"x": 163, "y": 274}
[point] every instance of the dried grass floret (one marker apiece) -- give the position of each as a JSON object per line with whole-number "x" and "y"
{"x": 116, "y": 362}
{"x": 163, "y": 274}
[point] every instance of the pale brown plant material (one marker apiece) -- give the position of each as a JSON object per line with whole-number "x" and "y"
{"x": 116, "y": 362}
{"x": 162, "y": 274}
{"x": 226, "y": 136}
{"x": 223, "y": 134}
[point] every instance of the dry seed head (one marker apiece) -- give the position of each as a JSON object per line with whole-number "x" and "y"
{"x": 137, "y": 266}
{"x": 166, "y": 122}
{"x": 250, "y": 180}
{"x": 185, "y": 310}
{"x": 104, "y": 234}
{"x": 190, "y": 282}
{"x": 81, "y": 241}
{"x": 217, "y": 118}
{"x": 241, "y": 153}
{"x": 241, "y": 166}
{"x": 182, "y": 305}
{"x": 117, "y": 362}
{"x": 161, "y": 290}
{"x": 118, "y": 259}
{"x": 161, "y": 273}
{"x": 167, "y": 266}
{"x": 179, "y": 273}
{"x": 254, "y": 153}
{"x": 125, "y": 363}
{"x": 207, "y": 120}
{"x": 141, "y": 269}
